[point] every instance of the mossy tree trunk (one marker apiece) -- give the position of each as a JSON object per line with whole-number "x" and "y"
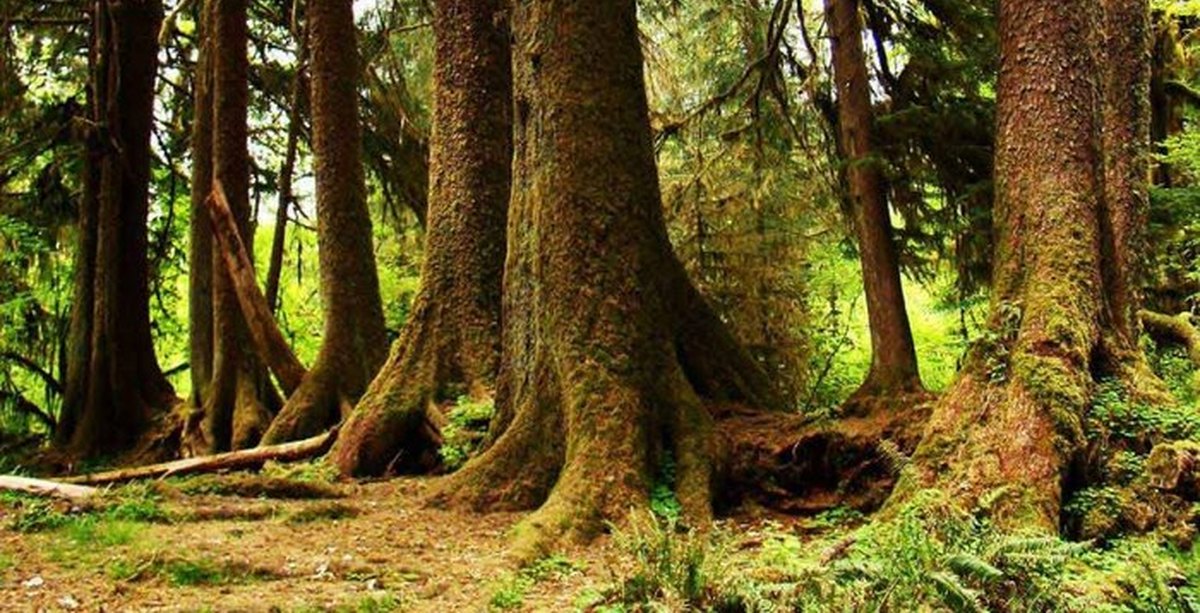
{"x": 450, "y": 345}
{"x": 236, "y": 406}
{"x": 115, "y": 387}
{"x": 609, "y": 354}
{"x": 893, "y": 356}
{"x": 354, "y": 342}
{"x": 1007, "y": 433}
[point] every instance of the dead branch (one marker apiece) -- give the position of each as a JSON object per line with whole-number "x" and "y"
{"x": 40, "y": 487}
{"x": 246, "y": 458}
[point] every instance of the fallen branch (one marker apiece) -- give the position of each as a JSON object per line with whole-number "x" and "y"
{"x": 41, "y": 487}
{"x": 246, "y": 458}
{"x": 270, "y": 342}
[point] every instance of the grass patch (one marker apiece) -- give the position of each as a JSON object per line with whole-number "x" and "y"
{"x": 509, "y": 593}
{"x": 183, "y": 572}
{"x": 320, "y": 512}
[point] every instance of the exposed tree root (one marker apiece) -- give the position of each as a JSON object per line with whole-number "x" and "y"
{"x": 795, "y": 465}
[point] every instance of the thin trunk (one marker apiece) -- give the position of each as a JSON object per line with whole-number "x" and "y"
{"x": 450, "y": 344}
{"x": 893, "y": 355}
{"x": 354, "y": 343}
{"x": 610, "y": 357}
{"x": 120, "y": 388}
{"x": 1011, "y": 426}
{"x": 286, "y": 171}
{"x": 200, "y": 274}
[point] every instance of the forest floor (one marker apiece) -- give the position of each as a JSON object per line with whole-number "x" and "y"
{"x": 359, "y": 547}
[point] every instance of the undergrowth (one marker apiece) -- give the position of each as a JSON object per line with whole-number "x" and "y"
{"x": 466, "y": 425}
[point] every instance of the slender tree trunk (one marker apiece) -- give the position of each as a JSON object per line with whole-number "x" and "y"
{"x": 609, "y": 355}
{"x": 354, "y": 342}
{"x": 236, "y": 409}
{"x": 450, "y": 345}
{"x": 1011, "y": 426}
{"x": 200, "y": 273}
{"x": 893, "y": 356}
{"x": 120, "y": 388}
{"x": 286, "y": 172}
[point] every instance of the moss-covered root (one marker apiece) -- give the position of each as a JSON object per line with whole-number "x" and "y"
{"x": 394, "y": 427}
{"x": 315, "y": 406}
{"x": 1175, "y": 468}
{"x": 1000, "y": 449}
{"x": 614, "y": 433}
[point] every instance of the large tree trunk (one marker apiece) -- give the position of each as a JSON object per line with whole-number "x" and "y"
{"x": 1006, "y": 433}
{"x": 236, "y": 409}
{"x": 450, "y": 345}
{"x": 893, "y": 356}
{"x": 354, "y": 342}
{"x": 609, "y": 354}
{"x": 120, "y": 388}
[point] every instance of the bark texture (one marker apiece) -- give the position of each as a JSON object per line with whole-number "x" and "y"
{"x": 450, "y": 345}
{"x": 1006, "y": 434}
{"x": 236, "y": 405}
{"x": 114, "y": 387}
{"x": 354, "y": 343}
{"x": 200, "y": 274}
{"x": 893, "y": 355}
{"x": 609, "y": 354}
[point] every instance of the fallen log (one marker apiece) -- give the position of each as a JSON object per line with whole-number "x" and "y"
{"x": 246, "y": 458}
{"x": 41, "y": 487}
{"x": 269, "y": 341}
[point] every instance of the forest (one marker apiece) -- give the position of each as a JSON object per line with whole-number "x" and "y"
{"x": 600, "y": 305}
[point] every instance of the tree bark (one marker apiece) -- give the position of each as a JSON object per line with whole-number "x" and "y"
{"x": 236, "y": 262}
{"x": 200, "y": 273}
{"x": 354, "y": 342}
{"x": 450, "y": 345}
{"x": 893, "y": 355}
{"x": 119, "y": 389}
{"x": 238, "y": 401}
{"x": 609, "y": 354}
{"x": 286, "y": 172}
{"x": 1007, "y": 432}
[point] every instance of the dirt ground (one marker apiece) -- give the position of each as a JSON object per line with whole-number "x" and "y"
{"x": 385, "y": 552}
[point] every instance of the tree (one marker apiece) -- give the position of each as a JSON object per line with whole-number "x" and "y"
{"x": 114, "y": 386}
{"x": 236, "y": 405}
{"x": 1012, "y": 424}
{"x": 200, "y": 258}
{"x": 893, "y": 355}
{"x": 450, "y": 344}
{"x": 354, "y": 342}
{"x": 610, "y": 357}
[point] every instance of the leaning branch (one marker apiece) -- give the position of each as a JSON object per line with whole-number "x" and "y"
{"x": 269, "y": 340}
{"x": 232, "y": 460}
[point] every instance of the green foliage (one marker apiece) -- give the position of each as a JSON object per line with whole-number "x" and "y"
{"x": 467, "y": 423}
{"x": 928, "y": 556}
{"x": 1114, "y": 417}
{"x": 131, "y": 503}
{"x": 509, "y": 593}
{"x": 669, "y": 568}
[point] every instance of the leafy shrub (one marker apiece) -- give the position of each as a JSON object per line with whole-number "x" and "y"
{"x": 467, "y": 422}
